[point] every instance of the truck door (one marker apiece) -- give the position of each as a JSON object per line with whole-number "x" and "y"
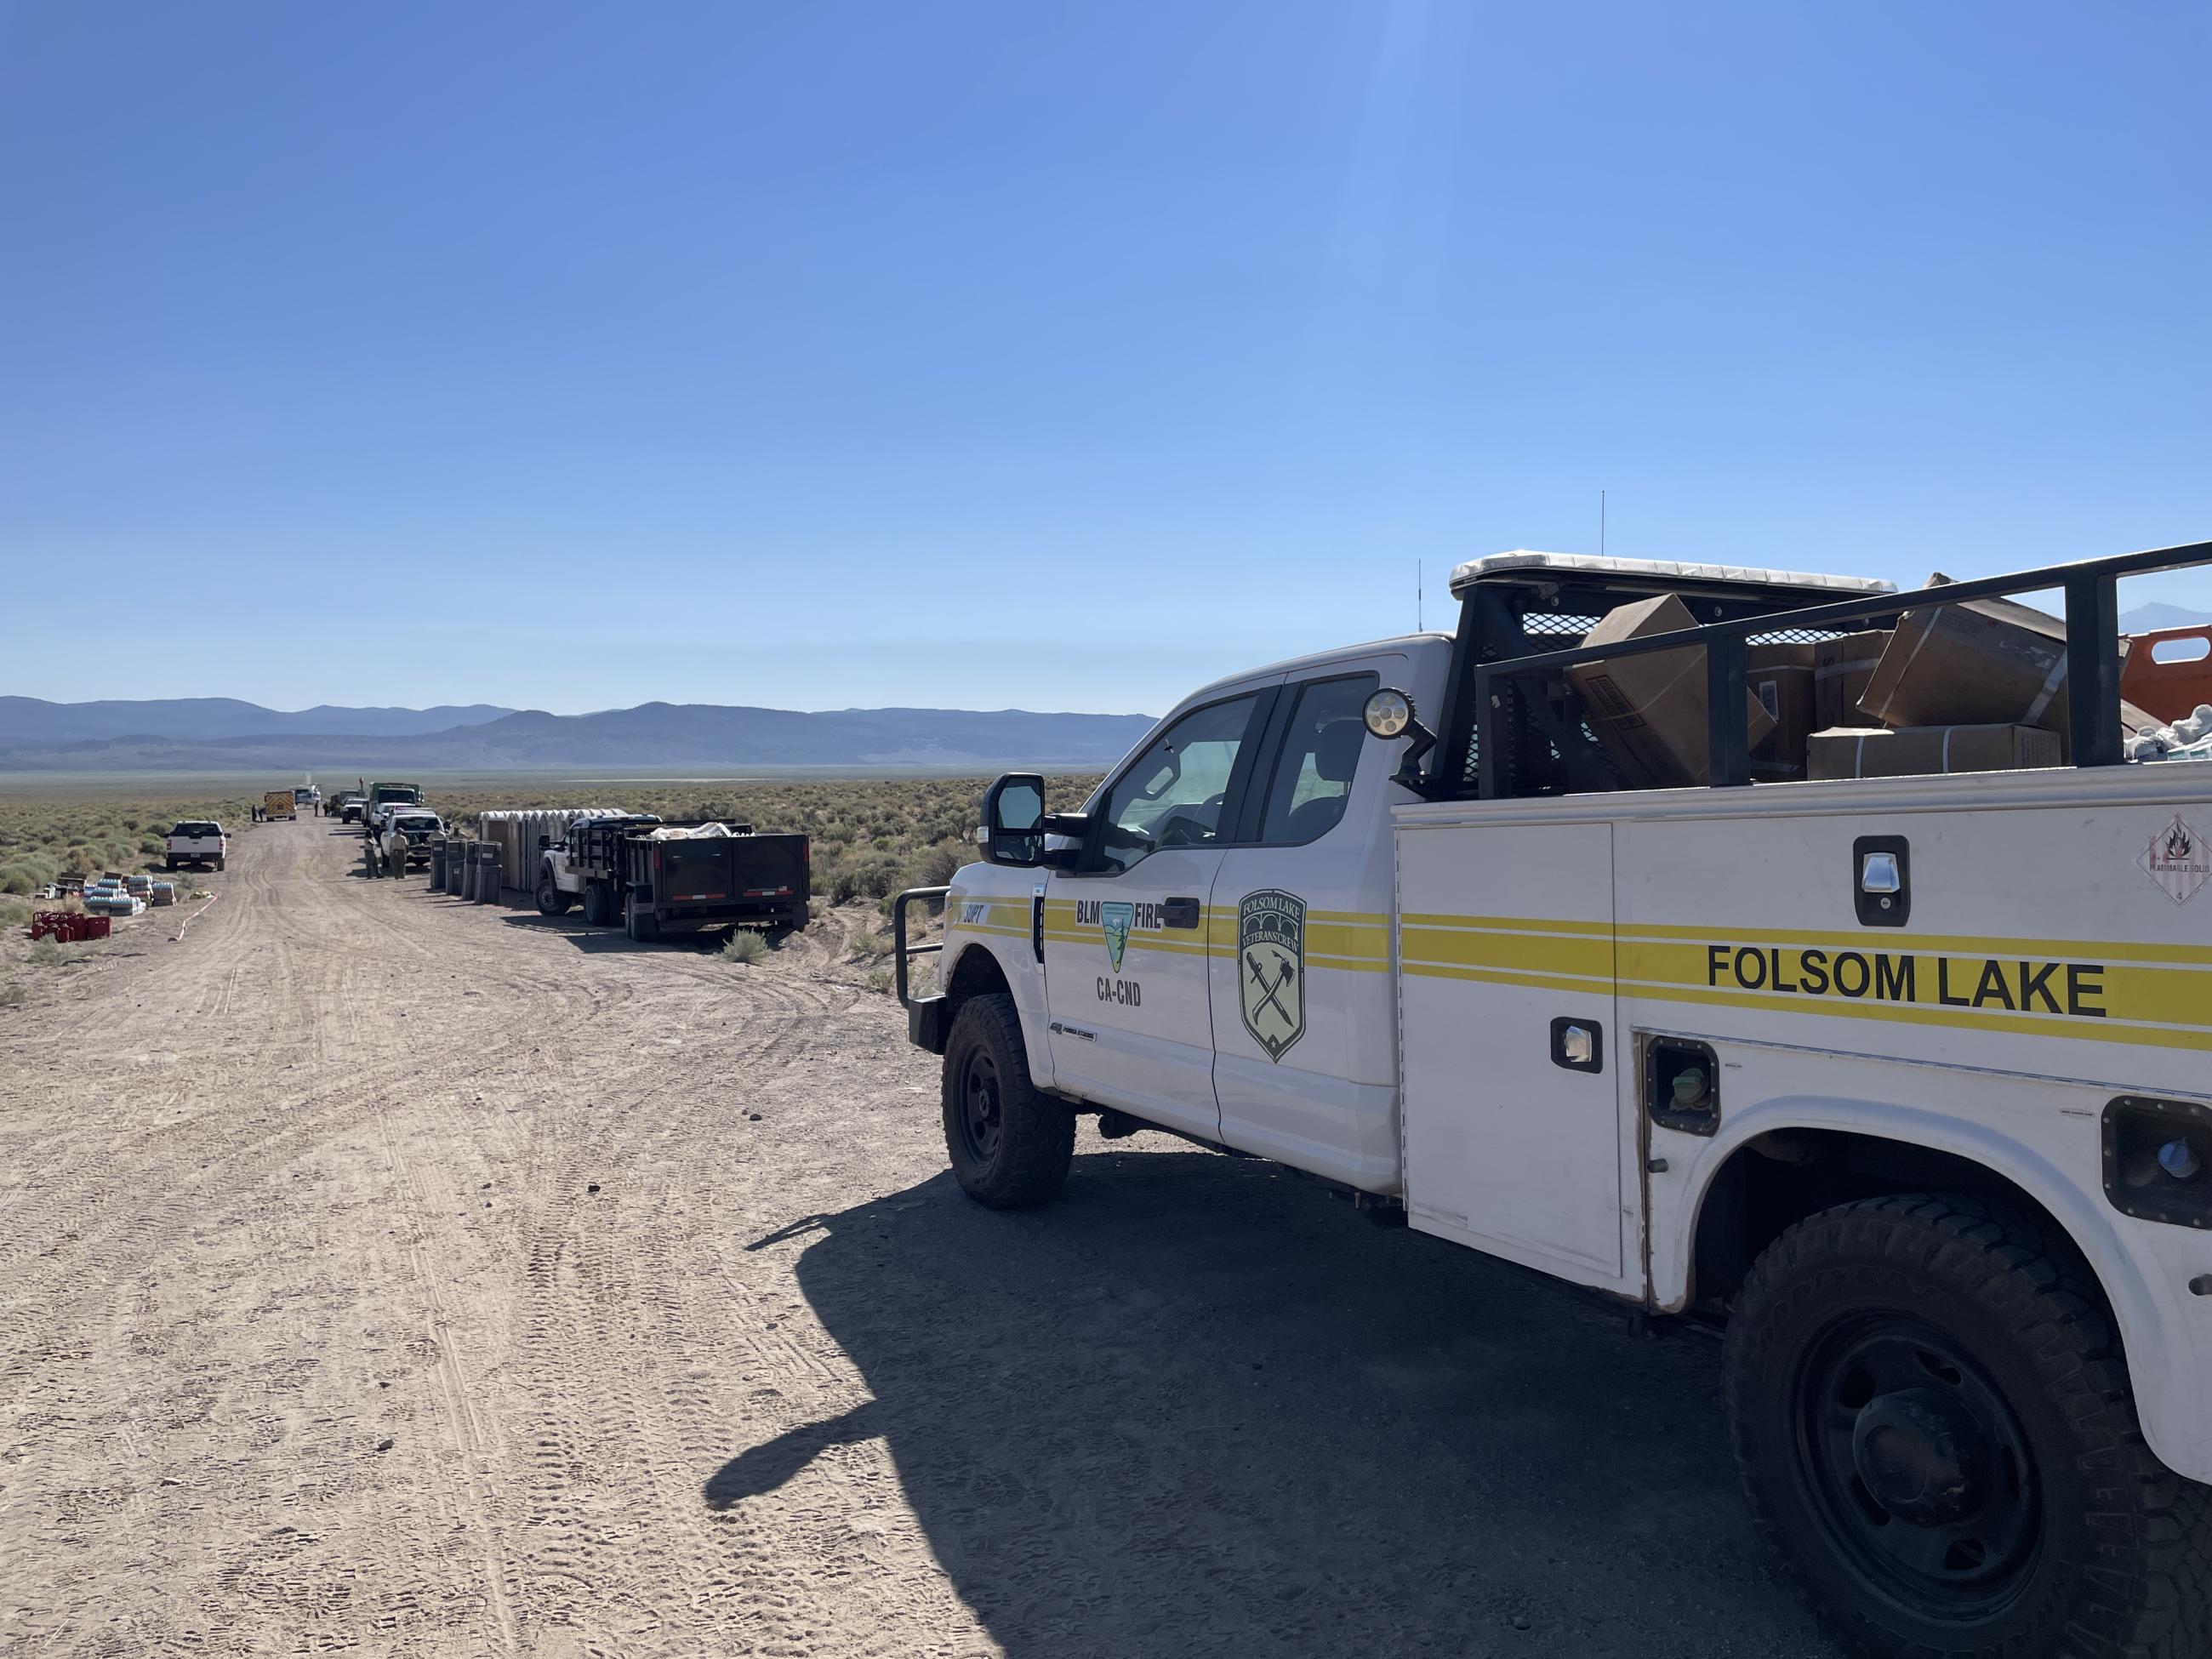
{"x": 1125, "y": 935}
{"x": 1304, "y": 1012}
{"x": 1515, "y": 1138}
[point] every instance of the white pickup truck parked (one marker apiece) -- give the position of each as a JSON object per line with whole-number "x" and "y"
{"x": 198, "y": 840}
{"x": 1903, "y": 1079}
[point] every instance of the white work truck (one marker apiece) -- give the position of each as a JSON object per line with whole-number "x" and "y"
{"x": 196, "y": 840}
{"x": 1904, "y": 1080}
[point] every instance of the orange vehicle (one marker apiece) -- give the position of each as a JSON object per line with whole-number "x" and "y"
{"x": 2169, "y": 673}
{"x": 279, "y": 803}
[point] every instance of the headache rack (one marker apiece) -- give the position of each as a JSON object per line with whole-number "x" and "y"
{"x": 1514, "y": 727}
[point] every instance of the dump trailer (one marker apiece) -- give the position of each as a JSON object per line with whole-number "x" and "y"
{"x": 1902, "y": 1081}
{"x": 653, "y": 877}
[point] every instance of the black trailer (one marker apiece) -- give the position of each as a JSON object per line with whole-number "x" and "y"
{"x": 656, "y": 883}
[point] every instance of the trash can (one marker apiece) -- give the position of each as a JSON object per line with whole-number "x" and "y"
{"x": 486, "y": 872}
{"x": 457, "y": 866}
{"x": 437, "y": 862}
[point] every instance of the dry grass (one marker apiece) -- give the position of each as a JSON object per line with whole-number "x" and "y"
{"x": 44, "y": 836}
{"x": 745, "y": 946}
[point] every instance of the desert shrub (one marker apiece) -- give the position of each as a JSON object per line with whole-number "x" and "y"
{"x": 871, "y": 944}
{"x": 880, "y": 979}
{"x": 11, "y": 994}
{"x": 20, "y": 878}
{"x": 14, "y": 913}
{"x": 47, "y": 953}
{"x": 934, "y": 865}
{"x": 744, "y": 945}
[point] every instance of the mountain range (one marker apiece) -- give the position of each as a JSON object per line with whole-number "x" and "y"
{"x": 34, "y": 720}
{"x": 218, "y": 735}
{"x": 2149, "y": 618}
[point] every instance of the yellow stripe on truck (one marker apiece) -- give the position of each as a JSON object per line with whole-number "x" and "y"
{"x": 2106, "y": 991}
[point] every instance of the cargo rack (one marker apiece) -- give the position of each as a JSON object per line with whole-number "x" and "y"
{"x": 1496, "y": 714}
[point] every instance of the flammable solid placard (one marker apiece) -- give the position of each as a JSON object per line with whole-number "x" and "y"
{"x": 2179, "y": 860}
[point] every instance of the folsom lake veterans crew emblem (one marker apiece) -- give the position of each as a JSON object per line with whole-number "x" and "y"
{"x": 1271, "y": 968}
{"x": 1114, "y": 920}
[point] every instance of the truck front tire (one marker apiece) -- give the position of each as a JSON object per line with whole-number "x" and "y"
{"x": 1933, "y": 1424}
{"x": 1010, "y": 1142}
{"x": 552, "y": 901}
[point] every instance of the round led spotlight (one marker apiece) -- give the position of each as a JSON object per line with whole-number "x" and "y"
{"x": 1388, "y": 713}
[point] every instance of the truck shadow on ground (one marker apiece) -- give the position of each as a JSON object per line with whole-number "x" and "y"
{"x": 598, "y": 941}
{"x": 1198, "y": 1406}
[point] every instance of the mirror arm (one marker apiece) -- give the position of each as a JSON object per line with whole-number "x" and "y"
{"x": 1077, "y": 824}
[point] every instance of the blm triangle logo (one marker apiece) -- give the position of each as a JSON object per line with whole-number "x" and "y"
{"x": 1271, "y": 968}
{"x": 1114, "y": 918}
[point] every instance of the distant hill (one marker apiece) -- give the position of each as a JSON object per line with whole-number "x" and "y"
{"x": 34, "y": 720}
{"x": 2149, "y": 618}
{"x": 653, "y": 734}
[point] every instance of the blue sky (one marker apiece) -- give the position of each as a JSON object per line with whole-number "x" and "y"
{"x": 1057, "y": 357}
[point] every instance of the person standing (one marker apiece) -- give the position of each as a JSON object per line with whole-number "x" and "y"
{"x": 395, "y": 847}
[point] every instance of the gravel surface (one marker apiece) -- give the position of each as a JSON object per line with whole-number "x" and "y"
{"x": 388, "y": 1274}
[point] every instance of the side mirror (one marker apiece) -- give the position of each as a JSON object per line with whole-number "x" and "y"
{"x": 545, "y": 842}
{"x": 1013, "y": 820}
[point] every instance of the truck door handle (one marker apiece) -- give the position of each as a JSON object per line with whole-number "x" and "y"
{"x": 1179, "y": 913}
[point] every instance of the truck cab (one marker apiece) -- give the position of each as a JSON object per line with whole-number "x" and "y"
{"x": 1215, "y": 945}
{"x": 1899, "y": 1080}
{"x": 381, "y": 797}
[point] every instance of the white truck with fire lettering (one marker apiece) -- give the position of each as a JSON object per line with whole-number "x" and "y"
{"x": 1904, "y": 1079}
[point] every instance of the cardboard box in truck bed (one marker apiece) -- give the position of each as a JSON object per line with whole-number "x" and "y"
{"x": 1781, "y": 677}
{"x": 1650, "y": 711}
{"x": 1988, "y": 661}
{"x": 1915, "y": 750}
{"x": 1842, "y": 671}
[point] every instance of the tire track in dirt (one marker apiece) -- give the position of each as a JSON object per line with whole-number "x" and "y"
{"x": 319, "y": 1189}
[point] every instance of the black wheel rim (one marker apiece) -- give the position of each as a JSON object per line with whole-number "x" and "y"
{"x": 978, "y": 1107}
{"x": 1916, "y": 1467}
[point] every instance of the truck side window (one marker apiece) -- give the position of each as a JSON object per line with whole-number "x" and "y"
{"x": 1322, "y": 746}
{"x": 1173, "y": 795}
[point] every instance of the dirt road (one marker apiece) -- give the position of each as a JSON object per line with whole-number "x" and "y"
{"x": 385, "y": 1274}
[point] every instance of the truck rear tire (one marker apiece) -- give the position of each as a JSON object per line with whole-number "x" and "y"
{"x": 1933, "y": 1425}
{"x": 640, "y": 922}
{"x": 1009, "y": 1143}
{"x": 552, "y": 901}
{"x": 173, "y": 861}
{"x": 218, "y": 864}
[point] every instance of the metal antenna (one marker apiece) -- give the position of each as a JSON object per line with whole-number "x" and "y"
{"x": 1417, "y": 596}
{"x": 1601, "y": 524}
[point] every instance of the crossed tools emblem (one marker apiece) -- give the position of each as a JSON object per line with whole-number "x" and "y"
{"x": 1271, "y": 992}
